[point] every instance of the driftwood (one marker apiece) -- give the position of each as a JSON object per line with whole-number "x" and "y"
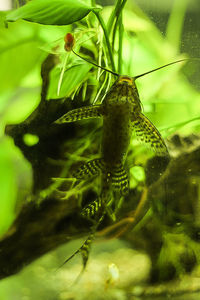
{"x": 40, "y": 228}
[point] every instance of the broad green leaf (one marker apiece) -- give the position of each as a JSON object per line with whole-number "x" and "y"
{"x": 72, "y": 78}
{"x": 19, "y": 53}
{"x": 20, "y": 105}
{"x": 16, "y": 180}
{"x": 51, "y": 12}
{"x": 20, "y": 58}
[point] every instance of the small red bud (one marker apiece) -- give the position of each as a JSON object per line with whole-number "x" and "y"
{"x": 69, "y": 42}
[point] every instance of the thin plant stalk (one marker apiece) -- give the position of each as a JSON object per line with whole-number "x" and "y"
{"x": 110, "y": 54}
{"x": 118, "y": 14}
{"x": 175, "y": 23}
{"x": 121, "y": 32}
{"x": 62, "y": 74}
{"x": 114, "y": 13}
{"x": 105, "y": 31}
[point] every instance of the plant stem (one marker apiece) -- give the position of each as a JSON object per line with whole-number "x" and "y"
{"x": 113, "y": 15}
{"x": 93, "y": 3}
{"x": 176, "y": 22}
{"x": 118, "y": 14}
{"x": 101, "y": 21}
{"x": 121, "y": 31}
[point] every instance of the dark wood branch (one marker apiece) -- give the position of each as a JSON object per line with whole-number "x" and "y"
{"x": 39, "y": 229}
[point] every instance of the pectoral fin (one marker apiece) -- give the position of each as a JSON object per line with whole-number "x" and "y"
{"x": 93, "y": 111}
{"x": 90, "y": 169}
{"x": 147, "y": 133}
{"x": 92, "y": 209}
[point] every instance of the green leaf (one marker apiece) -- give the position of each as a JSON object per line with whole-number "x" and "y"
{"x": 51, "y": 12}
{"x": 72, "y": 78}
{"x": 19, "y": 105}
{"x": 15, "y": 43}
{"x": 16, "y": 181}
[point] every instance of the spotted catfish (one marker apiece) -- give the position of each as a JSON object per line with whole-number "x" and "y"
{"x": 121, "y": 112}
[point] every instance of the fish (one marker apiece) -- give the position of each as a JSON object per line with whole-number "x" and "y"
{"x": 121, "y": 111}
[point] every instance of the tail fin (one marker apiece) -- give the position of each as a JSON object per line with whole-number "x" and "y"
{"x": 84, "y": 250}
{"x": 90, "y": 169}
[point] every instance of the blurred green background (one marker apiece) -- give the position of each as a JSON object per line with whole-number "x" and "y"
{"x": 156, "y": 33}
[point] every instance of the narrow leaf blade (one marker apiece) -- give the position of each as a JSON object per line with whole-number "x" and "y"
{"x": 72, "y": 78}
